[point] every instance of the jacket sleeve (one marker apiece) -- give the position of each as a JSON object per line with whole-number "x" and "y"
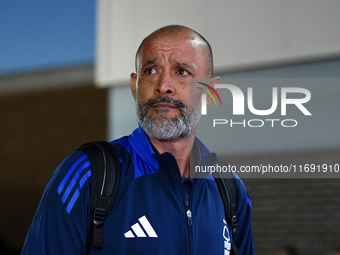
{"x": 61, "y": 221}
{"x": 244, "y": 234}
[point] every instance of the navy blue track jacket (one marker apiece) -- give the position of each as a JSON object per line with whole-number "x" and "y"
{"x": 156, "y": 210}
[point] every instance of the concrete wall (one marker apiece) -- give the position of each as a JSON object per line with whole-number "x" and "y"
{"x": 243, "y": 34}
{"x": 300, "y": 212}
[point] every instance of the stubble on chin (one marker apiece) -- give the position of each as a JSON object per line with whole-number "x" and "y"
{"x": 167, "y": 128}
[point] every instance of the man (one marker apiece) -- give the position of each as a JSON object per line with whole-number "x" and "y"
{"x": 158, "y": 209}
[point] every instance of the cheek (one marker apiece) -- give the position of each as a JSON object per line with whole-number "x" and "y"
{"x": 195, "y": 96}
{"x": 141, "y": 99}
{"x": 148, "y": 79}
{"x": 145, "y": 89}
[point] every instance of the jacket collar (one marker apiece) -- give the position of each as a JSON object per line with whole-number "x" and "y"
{"x": 142, "y": 146}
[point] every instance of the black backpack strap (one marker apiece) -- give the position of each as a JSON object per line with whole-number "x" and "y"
{"x": 227, "y": 187}
{"x": 105, "y": 175}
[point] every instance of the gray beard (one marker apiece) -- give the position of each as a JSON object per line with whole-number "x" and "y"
{"x": 167, "y": 129}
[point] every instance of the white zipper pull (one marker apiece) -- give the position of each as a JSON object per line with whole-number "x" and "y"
{"x": 189, "y": 215}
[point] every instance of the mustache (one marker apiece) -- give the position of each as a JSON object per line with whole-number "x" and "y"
{"x": 164, "y": 99}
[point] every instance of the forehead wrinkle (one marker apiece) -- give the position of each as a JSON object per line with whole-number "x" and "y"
{"x": 159, "y": 52}
{"x": 170, "y": 53}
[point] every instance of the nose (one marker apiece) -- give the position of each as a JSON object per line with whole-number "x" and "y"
{"x": 165, "y": 85}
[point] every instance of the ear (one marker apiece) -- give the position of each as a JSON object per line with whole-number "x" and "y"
{"x": 212, "y": 82}
{"x": 133, "y": 82}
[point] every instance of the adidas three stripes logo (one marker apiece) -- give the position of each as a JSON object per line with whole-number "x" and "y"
{"x": 141, "y": 229}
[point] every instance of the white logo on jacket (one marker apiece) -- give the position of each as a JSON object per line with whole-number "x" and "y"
{"x": 139, "y": 232}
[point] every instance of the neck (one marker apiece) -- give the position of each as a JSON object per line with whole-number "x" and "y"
{"x": 180, "y": 148}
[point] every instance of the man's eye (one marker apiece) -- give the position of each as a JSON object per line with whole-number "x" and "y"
{"x": 150, "y": 70}
{"x": 182, "y": 72}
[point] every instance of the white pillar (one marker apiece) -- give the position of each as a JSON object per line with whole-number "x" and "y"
{"x": 121, "y": 119}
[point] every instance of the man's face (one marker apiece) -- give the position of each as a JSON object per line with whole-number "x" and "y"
{"x": 161, "y": 88}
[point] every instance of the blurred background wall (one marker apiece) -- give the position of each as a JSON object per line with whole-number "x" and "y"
{"x": 39, "y": 128}
{"x": 50, "y": 103}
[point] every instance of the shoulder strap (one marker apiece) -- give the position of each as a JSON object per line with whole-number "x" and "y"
{"x": 105, "y": 175}
{"x": 228, "y": 192}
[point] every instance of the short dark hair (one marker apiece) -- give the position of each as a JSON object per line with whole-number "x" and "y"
{"x": 174, "y": 28}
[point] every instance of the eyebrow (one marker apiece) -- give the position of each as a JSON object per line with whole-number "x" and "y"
{"x": 151, "y": 61}
{"x": 172, "y": 61}
{"x": 184, "y": 65}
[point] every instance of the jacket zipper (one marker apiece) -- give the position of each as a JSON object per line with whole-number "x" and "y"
{"x": 187, "y": 210}
{"x": 188, "y": 213}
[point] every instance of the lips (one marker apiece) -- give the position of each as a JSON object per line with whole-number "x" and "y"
{"x": 164, "y": 105}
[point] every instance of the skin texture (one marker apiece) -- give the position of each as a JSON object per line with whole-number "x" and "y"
{"x": 166, "y": 65}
